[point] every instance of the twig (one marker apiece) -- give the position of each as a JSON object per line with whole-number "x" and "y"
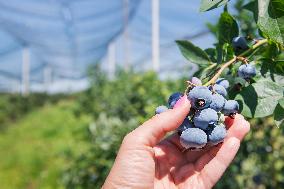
{"x": 233, "y": 60}
{"x": 217, "y": 75}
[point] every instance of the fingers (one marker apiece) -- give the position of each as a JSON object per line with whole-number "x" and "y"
{"x": 152, "y": 131}
{"x": 213, "y": 171}
{"x": 221, "y": 156}
{"x": 237, "y": 127}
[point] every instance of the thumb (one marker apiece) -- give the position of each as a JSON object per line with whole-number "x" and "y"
{"x": 152, "y": 131}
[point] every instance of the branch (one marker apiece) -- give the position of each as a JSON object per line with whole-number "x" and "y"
{"x": 227, "y": 64}
{"x": 217, "y": 75}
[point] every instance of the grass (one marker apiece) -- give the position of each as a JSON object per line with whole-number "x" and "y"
{"x": 35, "y": 150}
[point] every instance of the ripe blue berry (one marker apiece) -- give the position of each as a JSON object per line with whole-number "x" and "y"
{"x": 205, "y": 117}
{"x": 185, "y": 125}
{"x": 193, "y": 138}
{"x": 240, "y": 44}
{"x": 174, "y": 98}
{"x": 218, "y": 102}
{"x": 231, "y": 107}
{"x": 246, "y": 71}
{"x": 223, "y": 82}
{"x": 200, "y": 97}
{"x": 257, "y": 179}
{"x": 196, "y": 81}
{"x": 161, "y": 109}
{"x": 220, "y": 90}
{"x": 217, "y": 134}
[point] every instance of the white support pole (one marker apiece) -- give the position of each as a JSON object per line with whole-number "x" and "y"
{"x": 25, "y": 71}
{"x": 47, "y": 77}
{"x": 155, "y": 36}
{"x": 111, "y": 60}
{"x": 126, "y": 40}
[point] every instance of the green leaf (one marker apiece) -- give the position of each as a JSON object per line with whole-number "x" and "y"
{"x": 279, "y": 116}
{"x": 193, "y": 53}
{"x": 212, "y": 54}
{"x": 279, "y": 80}
{"x": 281, "y": 103}
{"x": 207, "y": 5}
{"x": 253, "y": 7}
{"x": 260, "y": 98}
{"x": 219, "y": 49}
{"x": 271, "y": 19}
{"x": 205, "y": 73}
{"x": 273, "y": 66}
{"x": 227, "y": 28}
{"x": 228, "y": 52}
{"x": 239, "y": 80}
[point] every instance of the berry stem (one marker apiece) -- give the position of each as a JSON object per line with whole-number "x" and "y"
{"x": 189, "y": 85}
{"x": 217, "y": 75}
{"x": 233, "y": 60}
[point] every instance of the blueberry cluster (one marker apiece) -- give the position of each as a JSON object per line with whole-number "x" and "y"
{"x": 204, "y": 124}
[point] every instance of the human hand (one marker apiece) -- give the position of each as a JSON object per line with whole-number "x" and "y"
{"x": 144, "y": 161}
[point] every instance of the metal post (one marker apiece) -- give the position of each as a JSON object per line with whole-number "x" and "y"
{"x": 155, "y": 36}
{"x": 111, "y": 60}
{"x": 25, "y": 71}
{"x": 126, "y": 40}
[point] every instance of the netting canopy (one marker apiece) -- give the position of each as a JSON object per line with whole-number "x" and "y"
{"x": 55, "y": 40}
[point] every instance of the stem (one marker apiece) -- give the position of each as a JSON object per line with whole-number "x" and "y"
{"x": 217, "y": 75}
{"x": 255, "y": 46}
{"x": 233, "y": 60}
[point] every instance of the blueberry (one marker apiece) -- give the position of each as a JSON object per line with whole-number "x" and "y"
{"x": 257, "y": 179}
{"x": 161, "y": 109}
{"x": 220, "y": 90}
{"x": 240, "y": 44}
{"x": 231, "y": 107}
{"x": 193, "y": 138}
{"x": 246, "y": 71}
{"x": 218, "y": 102}
{"x": 174, "y": 98}
{"x": 185, "y": 125}
{"x": 200, "y": 97}
{"x": 205, "y": 117}
{"x": 217, "y": 134}
{"x": 196, "y": 81}
{"x": 223, "y": 82}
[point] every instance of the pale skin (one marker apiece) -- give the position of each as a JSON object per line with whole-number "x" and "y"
{"x": 146, "y": 159}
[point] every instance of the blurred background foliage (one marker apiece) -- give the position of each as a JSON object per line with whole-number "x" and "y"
{"x": 70, "y": 141}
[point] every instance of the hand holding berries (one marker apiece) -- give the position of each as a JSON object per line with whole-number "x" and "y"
{"x": 204, "y": 125}
{"x": 150, "y": 154}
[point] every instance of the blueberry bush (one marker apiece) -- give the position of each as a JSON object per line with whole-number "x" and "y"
{"x": 236, "y": 59}
{"x": 247, "y": 61}
{"x": 16, "y": 106}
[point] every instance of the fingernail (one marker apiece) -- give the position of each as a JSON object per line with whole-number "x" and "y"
{"x": 229, "y": 121}
{"x": 239, "y": 116}
{"x": 181, "y": 101}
